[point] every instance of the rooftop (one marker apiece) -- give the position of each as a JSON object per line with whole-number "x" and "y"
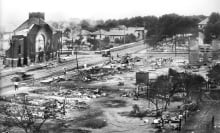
{"x": 204, "y": 22}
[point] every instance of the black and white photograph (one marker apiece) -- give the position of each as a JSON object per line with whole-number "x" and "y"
{"x": 109, "y": 66}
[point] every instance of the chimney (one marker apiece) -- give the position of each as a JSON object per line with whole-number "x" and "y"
{"x": 36, "y": 15}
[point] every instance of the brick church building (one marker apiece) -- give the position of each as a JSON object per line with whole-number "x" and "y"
{"x": 34, "y": 41}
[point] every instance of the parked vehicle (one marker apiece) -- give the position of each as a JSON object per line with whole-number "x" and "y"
{"x": 106, "y": 53}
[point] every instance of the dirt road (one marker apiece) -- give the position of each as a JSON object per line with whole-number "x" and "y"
{"x": 6, "y": 83}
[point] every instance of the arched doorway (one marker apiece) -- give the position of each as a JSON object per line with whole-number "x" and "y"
{"x": 39, "y": 47}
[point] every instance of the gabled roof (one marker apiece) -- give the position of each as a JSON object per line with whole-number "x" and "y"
{"x": 116, "y": 33}
{"x": 30, "y": 22}
{"x": 85, "y": 32}
{"x": 135, "y": 28}
{"x": 204, "y": 22}
{"x": 99, "y": 32}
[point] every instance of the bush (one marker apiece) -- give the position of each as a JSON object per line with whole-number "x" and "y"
{"x": 191, "y": 107}
{"x": 130, "y": 38}
{"x": 94, "y": 123}
{"x": 118, "y": 41}
{"x": 108, "y": 47}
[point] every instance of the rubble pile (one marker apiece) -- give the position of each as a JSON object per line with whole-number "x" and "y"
{"x": 161, "y": 62}
{"x": 83, "y": 93}
{"x": 111, "y": 67}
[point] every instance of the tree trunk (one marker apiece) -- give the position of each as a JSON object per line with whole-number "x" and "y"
{"x": 156, "y": 104}
{"x": 26, "y": 130}
{"x": 167, "y": 102}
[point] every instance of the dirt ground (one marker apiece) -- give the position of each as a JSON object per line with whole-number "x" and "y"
{"x": 110, "y": 109}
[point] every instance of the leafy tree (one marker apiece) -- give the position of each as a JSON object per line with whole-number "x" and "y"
{"x": 150, "y": 23}
{"x": 165, "y": 86}
{"x": 110, "y": 24}
{"x": 213, "y": 18}
{"x": 193, "y": 82}
{"x": 118, "y": 41}
{"x": 106, "y": 40}
{"x": 213, "y": 73}
{"x": 78, "y": 43}
{"x": 212, "y": 30}
{"x": 130, "y": 38}
{"x": 85, "y": 24}
{"x": 162, "y": 90}
{"x": 67, "y": 32}
{"x": 95, "y": 43}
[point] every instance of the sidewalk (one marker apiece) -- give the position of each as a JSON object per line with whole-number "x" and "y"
{"x": 13, "y": 70}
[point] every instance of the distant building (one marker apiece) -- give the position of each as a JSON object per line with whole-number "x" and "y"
{"x": 203, "y": 23}
{"x": 139, "y": 32}
{"x": 120, "y": 31}
{"x": 216, "y": 49}
{"x": 115, "y": 34}
{"x": 201, "y": 27}
{"x": 5, "y": 42}
{"x": 193, "y": 52}
{"x": 32, "y": 42}
{"x": 199, "y": 54}
{"x": 205, "y": 53}
{"x": 99, "y": 34}
{"x": 86, "y": 35}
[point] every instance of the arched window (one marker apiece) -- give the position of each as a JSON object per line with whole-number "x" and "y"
{"x": 40, "y": 43}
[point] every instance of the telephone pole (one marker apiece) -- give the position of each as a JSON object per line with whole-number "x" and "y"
{"x": 124, "y": 35}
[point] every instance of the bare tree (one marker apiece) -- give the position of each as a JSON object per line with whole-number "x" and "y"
{"x": 29, "y": 118}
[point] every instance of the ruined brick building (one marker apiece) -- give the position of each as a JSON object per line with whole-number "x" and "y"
{"x": 33, "y": 41}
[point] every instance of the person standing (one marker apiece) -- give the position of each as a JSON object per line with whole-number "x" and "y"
{"x": 213, "y": 122}
{"x": 16, "y": 85}
{"x": 64, "y": 72}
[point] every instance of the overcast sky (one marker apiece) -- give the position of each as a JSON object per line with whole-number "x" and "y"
{"x": 14, "y": 12}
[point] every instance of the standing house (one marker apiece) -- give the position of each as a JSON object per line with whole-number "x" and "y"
{"x": 115, "y": 34}
{"x": 4, "y": 41}
{"x": 200, "y": 53}
{"x": 86, "y": 35}
{"x": 216, "y": 49}
{"x": 193, "y": 52}
{"x": 139, "y": 32}
{"x": 33, "y": 41}
{"x": 121, "y": 31}
{"x": 99, "y": 34}
{"x": 201, "y": 27}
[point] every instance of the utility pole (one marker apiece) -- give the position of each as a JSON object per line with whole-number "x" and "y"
{"x": 124, "y": 35}
{"x": 99, "y": 39}
{"x": 189, "y": 48}
{"x": 78, "y": 43}
{"x": 144, "y": 37}
{"x": 61, "y": 41}
{"x": 72, "y": 46}
{"x": 77, "y": 64}
{"x": 175, "y": 46}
